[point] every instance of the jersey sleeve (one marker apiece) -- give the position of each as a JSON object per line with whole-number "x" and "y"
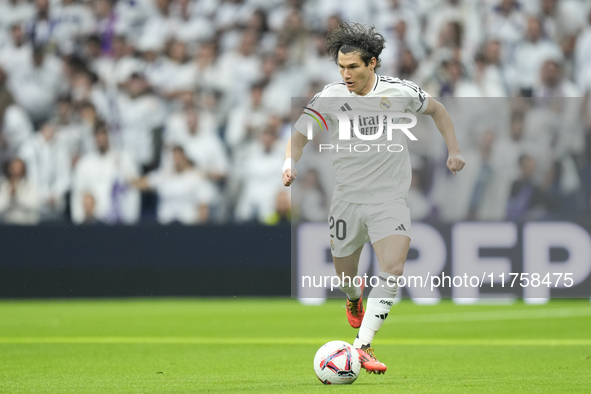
{"x": 315, "y": 113}
{"x": 310, "y": 116}
{"x": 417, "y": 99}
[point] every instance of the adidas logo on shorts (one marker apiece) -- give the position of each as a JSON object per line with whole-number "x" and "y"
{"x": 401, "y": 227}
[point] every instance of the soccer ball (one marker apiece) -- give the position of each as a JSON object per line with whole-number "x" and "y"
{"x": 337, "y": 362}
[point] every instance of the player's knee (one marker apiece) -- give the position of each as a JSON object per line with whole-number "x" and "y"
{"x": 396, "y": 271}
{"x": 395, "y": 267}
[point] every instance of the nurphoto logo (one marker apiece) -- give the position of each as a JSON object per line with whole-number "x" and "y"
{"x": 364, "y": 126}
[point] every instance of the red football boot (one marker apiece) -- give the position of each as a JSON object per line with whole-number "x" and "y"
{"x": 369, "y": 362}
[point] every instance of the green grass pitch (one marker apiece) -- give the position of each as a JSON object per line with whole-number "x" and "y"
{"x": 267, "y": 346}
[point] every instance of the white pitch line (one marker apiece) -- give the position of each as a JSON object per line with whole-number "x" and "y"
{"x": 286, "y": 341}
{"x": 493, "y": 315}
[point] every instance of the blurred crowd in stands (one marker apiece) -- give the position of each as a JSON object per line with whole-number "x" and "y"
{"x": 178, "y": 111}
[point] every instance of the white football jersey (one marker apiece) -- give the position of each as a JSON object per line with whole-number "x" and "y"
{"x": 366, "y": 171}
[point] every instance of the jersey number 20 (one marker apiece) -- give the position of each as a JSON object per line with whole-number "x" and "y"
{"x": 341, "y": 228}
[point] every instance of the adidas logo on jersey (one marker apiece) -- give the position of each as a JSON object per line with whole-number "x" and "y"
{"x": 382, "y": 316}
{"x": 346, "y": 107}
{"x": 401, "y": 227}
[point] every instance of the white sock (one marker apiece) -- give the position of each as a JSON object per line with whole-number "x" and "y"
{"x": 379, "y": 302}
{"x": 347, "y": 287}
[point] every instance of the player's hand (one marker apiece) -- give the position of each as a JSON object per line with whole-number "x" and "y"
{"x": 455, "y": 162}
{"x": 289, "y": 175}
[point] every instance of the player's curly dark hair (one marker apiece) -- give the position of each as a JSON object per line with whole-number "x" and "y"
{"x": 355, "y": 37}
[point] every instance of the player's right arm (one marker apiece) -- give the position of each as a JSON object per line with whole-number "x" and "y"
{"x": 293, "y": 153}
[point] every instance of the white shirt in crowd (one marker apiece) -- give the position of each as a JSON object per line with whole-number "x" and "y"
{"x": 203, "y": 146}
{"x": 244, "y": 118}
{"x": 23, "y": 207}
{"x": 207, "y": 151}
{"x": 106, "y": 177}
{"x": 71, "y": 21}
{"x": 116, "y": 71}
{"x": 138, "y": 118}
{"x": 583, "y": 57}
{"x": 180, "y": 195}
{"x": 37, "y": 88}
{"x": 508, "y": 29}
{"x": 176, "y": 76}
{"x": 48, "y": 166}
{"x": 524, "y": 73}
{"x": 240, "y": 77}
{"x": 260, "y": 182}
{"x": 13, "y": 58}
{"x": 16, "y": 128}
{"x": 194, "y": 30}
{"x": 19, "y": 12}
{"x": 77, "y": 138}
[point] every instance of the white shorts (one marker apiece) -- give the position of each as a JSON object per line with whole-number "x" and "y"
{"x": 353, "y": 225}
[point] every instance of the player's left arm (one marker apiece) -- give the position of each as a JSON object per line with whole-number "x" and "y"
{"x": 455, "y": 161}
